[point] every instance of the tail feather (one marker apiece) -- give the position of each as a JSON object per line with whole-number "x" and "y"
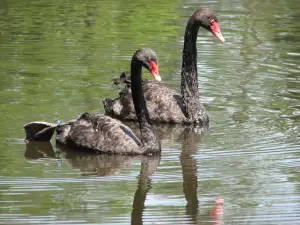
{"x": 39, "y": 131}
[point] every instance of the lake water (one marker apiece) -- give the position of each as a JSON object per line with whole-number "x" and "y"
{"x": 57, "y": 61}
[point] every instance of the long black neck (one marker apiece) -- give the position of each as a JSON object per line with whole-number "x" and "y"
{"x": 189, "y": 76}
{"x": 148, "y": 135}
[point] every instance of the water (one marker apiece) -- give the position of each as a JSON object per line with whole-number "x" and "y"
{"x": 58, "y": 59}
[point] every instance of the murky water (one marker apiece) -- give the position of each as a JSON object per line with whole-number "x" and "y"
{"x": 57, "y": 60}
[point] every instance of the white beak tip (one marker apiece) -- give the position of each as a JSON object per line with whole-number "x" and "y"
{"x": 157, "y": 77}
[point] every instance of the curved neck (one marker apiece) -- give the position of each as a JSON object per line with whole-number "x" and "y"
{"x": 148, "y": 135}
{"x": 189, "y": 76}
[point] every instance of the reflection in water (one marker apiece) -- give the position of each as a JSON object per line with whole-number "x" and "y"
{"x": 89, "y": 163}
{"x": 148, "y": 167}
{"x": 190, "y": 140}
{"x": 103, "y": 165}
{"x": 170, "y": 133}
{"x": 189, "y": 171}
{"x": 36, "y": 150}
{"x": 217, "y": 212}
{"x": 96, "y": 164}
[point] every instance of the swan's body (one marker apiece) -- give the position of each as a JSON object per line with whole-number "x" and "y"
{"x": 164, "y": 104}
{"x": 166, "y": 109}
{"x": 104, "y": 134}
{"x": 100, "y": 133}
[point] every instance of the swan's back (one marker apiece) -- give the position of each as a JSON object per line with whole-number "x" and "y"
{"x": 164, "y": 104}
{"x": 102, "y": 134}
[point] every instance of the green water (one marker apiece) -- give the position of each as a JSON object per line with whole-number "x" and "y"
{"x": 57, "y": 59}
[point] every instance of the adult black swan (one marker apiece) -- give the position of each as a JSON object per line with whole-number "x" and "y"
{"x": 164, "y": 104}
{"x": 104, "y": 134}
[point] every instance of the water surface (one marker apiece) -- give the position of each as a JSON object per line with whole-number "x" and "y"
{"x": 57, "y": 61}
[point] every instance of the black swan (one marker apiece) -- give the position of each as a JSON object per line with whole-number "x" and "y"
{"x": 104, "y": 134}
{"x": 164, "y": 104}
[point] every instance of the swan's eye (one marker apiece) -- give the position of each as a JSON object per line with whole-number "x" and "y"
{"x": 211, "y": 20}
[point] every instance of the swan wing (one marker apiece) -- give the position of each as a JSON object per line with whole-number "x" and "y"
{"x": 163, "y": 103}
{"x": 103, "y": 134}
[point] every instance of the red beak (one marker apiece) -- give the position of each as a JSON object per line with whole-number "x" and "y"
{"x": 154, "y": 70}
{"x": 216, "y": 31}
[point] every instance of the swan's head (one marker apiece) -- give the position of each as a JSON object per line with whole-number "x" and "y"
{"x": 208, "y": 20}
{"x": 148, "y": 59}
